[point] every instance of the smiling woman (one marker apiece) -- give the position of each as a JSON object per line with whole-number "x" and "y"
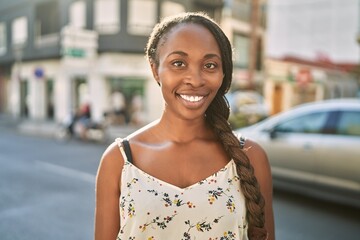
{"x": 186, "y": 175}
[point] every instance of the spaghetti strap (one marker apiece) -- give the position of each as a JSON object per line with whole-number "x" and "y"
{"x": 242, "y": 140}
{"x": 127, "y": 150}
{"x": 120, "y": 143}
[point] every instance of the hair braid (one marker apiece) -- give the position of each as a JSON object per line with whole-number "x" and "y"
{"x": 216, "y": 116}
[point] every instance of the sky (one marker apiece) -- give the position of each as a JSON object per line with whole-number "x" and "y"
{"x": 313, "y": 28}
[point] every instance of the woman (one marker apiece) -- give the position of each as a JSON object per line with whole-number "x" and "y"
{"x": 186, "y": 175}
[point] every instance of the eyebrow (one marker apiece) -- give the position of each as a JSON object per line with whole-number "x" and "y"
{"x": 184, "y": 54}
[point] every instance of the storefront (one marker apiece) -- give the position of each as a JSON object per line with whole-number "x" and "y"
{"x": 55, "y": 89}
{"x": 292, "y": 82}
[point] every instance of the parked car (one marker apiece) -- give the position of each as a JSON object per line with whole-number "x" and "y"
{"x": 314, "y": 149}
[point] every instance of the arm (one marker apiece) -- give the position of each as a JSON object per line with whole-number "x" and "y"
{"x": 107, "y": 217}
{"x": 260, "y": 163}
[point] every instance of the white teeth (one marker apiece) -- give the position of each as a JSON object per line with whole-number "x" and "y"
{"x": 191, "y": 98}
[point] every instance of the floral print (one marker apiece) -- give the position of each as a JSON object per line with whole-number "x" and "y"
{"x": 212, "y": 209}
{"x": 161, "y": 223}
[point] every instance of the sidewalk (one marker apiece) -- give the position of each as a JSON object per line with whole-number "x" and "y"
{"x": 50, "y": 128}
{"x": 8, "y": 122}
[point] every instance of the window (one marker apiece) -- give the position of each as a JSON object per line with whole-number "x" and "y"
{"x": 349, "y": 123}
{"x": 47, "y": 24}
{"x": 241, "y": 52}
{"x": 77, "y": 14}
{"x": 241, "y": 9}
{"x": 2, "y": 38}
{"x": 171, "y": 8}
{"x": 310, "y": 123}
{"x": 19, "y": 31}
{"x": 47, "y": 18}
{"x": 142, "y": 16}
{"x": 107, "y": 16}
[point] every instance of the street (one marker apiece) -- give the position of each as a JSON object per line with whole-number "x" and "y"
{"x": 47, "y": 192}
{"x": 46, "y": 188}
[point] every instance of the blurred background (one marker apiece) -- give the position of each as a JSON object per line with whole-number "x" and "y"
{"x": 56, "y": 56}
{"x": 74, "y": 71}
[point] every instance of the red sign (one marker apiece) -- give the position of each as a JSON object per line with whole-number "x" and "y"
{"x": 303, "y": 77}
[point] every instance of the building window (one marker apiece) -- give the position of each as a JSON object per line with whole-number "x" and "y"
{"x": 77, "y": 14}
{"x": 241, "y": 52}
{"x": 2, "y": 38}
{"x": 19, "y": 31}
{"x": 47, "y": 23}
{"x": 171, "y": 8}
{"x": 107, "y": 16}
{"x": 142, "y": 16}
{"x": 241, "y": 9}
{"x": 47, "y": 18}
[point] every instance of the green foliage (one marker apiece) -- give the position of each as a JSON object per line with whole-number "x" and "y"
{"x": 239, "y": 120}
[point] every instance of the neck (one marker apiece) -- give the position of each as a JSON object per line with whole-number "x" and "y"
{"x": 183, "y": 131}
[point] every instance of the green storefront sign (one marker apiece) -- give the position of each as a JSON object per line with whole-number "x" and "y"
{"x": 74, "y": 52}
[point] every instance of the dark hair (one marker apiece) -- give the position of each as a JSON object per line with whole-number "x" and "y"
{"x": 218, "y": 112}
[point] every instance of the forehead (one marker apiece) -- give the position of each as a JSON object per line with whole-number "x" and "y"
{"x": 189, "y": 36}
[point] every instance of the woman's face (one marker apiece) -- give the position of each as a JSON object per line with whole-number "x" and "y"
{"x": 189, "y": 70}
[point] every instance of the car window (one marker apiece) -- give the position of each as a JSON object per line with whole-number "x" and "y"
{"x": 309, "y": 123}
{"x": 349, "y": 123}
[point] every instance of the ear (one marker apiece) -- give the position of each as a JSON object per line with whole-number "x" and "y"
{"x": 155, "y": 73}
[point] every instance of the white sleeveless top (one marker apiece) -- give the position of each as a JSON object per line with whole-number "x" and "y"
{"x": 152, "y": 209}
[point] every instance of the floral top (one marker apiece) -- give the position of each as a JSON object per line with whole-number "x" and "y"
{"x": 151, "y": 209}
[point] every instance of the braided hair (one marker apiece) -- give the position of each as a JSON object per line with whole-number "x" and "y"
{"x": 218, "y": 113}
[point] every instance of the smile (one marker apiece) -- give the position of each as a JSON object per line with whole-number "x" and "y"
{"x": 191, "y": 98}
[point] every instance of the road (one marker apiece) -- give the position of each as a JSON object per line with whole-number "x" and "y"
{"x": 46, "y": 188}
{"x": 47, "y": 192}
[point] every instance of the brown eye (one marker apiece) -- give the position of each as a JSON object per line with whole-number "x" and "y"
{"x": 210, "y": 66}
{"x": 178, "y": 64}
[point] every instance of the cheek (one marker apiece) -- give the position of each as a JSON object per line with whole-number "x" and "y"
{"x": 166, "y": 85}
{"x": 167, "y": 78}
{"x": 217, "y": 82}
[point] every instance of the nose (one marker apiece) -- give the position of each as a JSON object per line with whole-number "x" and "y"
{"x": 194, "y": 77}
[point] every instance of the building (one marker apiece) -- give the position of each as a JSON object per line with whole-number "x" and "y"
{"x": 244, "y": 22}
{"x": 312, "y": 52}
{"x": 56, "y": 55}
{"x": 292, "y": 81}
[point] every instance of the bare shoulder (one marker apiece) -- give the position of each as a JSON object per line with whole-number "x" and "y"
{"x": 107, "y": 219}
{"x": 111, "y": 162}
{"x": 257, "y": 156}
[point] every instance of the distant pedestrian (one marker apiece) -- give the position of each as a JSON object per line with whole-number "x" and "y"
{"x": 137, "y": 110}
{"x": 118, "y": 108}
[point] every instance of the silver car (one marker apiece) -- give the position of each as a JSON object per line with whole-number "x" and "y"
{"x": 314, "y": 149}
